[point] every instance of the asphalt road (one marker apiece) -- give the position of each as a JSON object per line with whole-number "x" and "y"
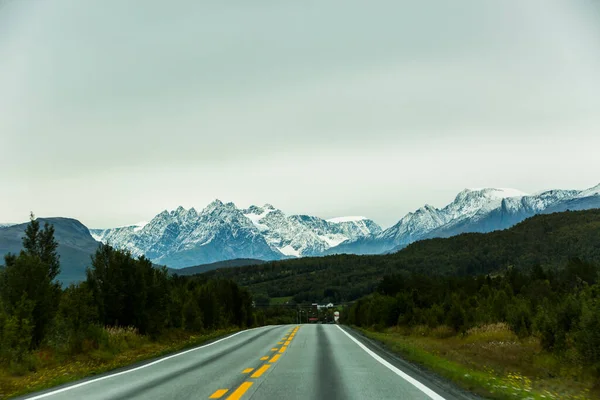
{"x": 274, "y": 362}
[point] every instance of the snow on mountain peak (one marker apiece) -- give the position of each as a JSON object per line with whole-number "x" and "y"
{"x": 222, "y": 231}
{"x": 593, "y": 191}
{"x": 498, "y": 193}
{"x": 139, "y": 226}
{"x": 346, "y": 219}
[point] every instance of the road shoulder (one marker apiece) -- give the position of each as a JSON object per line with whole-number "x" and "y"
{"x": 437, "y": 383}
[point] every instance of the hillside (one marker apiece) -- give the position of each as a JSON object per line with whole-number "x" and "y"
{"x": 198, "y": 269}
{"x": 75, "y": 246}
{"x": 549, "y": 240}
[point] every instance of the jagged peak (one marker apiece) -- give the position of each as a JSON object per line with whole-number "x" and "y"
{"x": 499, "y": 193}
{"x": 162, "y": 214}
{"x": 179, "y": 210}
{"x": 347, "y": 219}
{"x": 427, "y": 208}
{"x": 593, "y": 191}
{"x": 215, "y": 202}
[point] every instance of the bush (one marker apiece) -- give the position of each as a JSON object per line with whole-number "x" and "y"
{"x": 498, "y": 332}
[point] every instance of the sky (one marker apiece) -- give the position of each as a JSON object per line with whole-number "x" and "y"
{"x": 112, "y": 111}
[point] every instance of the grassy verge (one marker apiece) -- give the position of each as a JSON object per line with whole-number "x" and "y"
{"x": 124, "y": 347}
{"x": 492, "y": 362}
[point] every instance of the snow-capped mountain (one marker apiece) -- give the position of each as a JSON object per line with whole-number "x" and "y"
{"x": 221, "y": 231}
{"x": 182, "y": 238}
{"x": 473, "y": 210}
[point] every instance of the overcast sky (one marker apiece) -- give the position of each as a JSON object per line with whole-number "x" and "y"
{"x": 113, "y": 110}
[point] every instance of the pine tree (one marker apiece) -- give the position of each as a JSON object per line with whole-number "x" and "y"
{"x": 29, "y": 278}
{"x": 41, "y": 243}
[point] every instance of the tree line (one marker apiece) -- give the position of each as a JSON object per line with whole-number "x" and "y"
{"x": 561, "y": 307}
{"x": 119, "y": 291}
{"x": 547, "y": 240}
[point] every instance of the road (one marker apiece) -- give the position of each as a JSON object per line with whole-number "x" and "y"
{"x": 274, "y": 362}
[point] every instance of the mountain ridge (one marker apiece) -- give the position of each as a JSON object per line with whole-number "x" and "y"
{"x": 221, "y": 231}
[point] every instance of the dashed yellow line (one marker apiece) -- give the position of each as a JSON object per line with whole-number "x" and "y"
{"x": 274, "y": 349}
{"x": 247, "y": 370}
{"x": 275, "y": 358}
{"x": 218, "y": 394}
{"x": 260, "y": 371}
{"x": 282, "y": 349}
{"x": 265, "y": 358}
{"x": 239, "y": 392}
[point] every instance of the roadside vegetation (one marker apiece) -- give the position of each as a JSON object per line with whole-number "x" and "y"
{"x": 127, "y": 310}
{"x": 529, "y": 335}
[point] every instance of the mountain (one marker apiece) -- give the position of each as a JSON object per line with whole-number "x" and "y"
{"x": 473, "y": 210}
{"x": 75, "y": 245}
{"x": 222, "y": 231}
{"x": 198, "y": 269}
{"x": 549, "y": 240}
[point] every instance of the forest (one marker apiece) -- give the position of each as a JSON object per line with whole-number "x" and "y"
{"x": 560, "y": 307}
{"x": 121, "y": 294}
{"x": 549, "y": 241}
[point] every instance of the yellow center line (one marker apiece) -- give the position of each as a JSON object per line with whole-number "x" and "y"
{"x": 274, "y": 349}
{"x": 282, "y": 349}
{"x": 247, "y": 370}
{"x": 218, "y": 394}
{"x": 280, "y": 343}
{"x": 275, "y": 358}
{"x": 239, "y": 392}
{"x": 260, "y": 371}
{"x": 265, "y": 358}
{"x": 287, "y": 343}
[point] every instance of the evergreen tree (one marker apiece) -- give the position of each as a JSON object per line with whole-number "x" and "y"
{"x": 41, "y": 243}
{"x": 29, "y": 276}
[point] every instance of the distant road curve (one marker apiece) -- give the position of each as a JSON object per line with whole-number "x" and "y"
{"x": 272, "y": 362}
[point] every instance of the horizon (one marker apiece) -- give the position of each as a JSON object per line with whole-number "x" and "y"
{"x": 329, "y": 218}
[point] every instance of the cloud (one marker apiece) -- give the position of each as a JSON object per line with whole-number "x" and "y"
{"x": 116, "y": 111}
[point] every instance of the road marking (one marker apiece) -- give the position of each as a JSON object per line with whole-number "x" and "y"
{"x": 218, "y": 394}
{"x": 275, "y": 358}
{"x": 287, "y": 343}
{"x": 260, "y": 371}
{"x": 280, "y": 343}
{"x": 247, "y": 370}
{"x": 274, "y": 349}
{"x": 265, "y": 358}
{"x": 42, "y": 396}
{"x": 239, "y": 392}
{"x": 395, "y": 370}
{"x": 282, "y": 349}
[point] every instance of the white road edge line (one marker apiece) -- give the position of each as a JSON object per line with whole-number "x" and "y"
{"x": 41, "y": 396}
{"x": 395, "y": 370}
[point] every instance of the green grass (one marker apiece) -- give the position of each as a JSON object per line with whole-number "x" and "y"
{"x": 125, "y": 348}
{"x": 492, "y": 362}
